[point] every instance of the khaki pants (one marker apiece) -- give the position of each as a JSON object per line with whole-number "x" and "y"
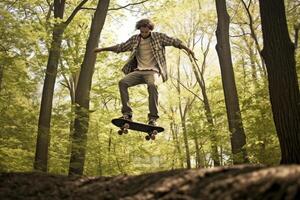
{"x": 151, "y": 78}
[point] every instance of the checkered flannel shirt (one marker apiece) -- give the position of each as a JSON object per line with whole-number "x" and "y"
{"x": 157, "y": 43}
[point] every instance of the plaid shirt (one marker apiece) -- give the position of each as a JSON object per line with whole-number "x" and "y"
{"x": 157, "y": 43}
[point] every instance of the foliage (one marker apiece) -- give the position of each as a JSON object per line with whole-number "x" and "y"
{"x": 24, "y": 42}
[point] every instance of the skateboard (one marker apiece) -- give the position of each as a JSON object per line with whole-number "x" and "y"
{"x": 126, "y": 125}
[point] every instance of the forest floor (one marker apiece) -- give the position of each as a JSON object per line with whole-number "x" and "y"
{"x": 235, "y": 182}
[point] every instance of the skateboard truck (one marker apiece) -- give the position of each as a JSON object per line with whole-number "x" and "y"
{"x": 151, "y": 135}
{"x": 124, "y": 129}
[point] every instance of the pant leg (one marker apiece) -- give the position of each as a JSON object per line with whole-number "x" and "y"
{"x": 131, "y": 79}
{"x": 151, "y": 79}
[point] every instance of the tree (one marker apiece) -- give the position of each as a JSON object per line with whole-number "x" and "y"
{"x": 238, "y": 138}
{"x": 252, "y": 31}
{"x": 279, "y": 55}
{"x": 82, "y": 93}
{"x": 199, "y": 74}
{"x": 43, "y": 137}
{"x": 184, "y": 109}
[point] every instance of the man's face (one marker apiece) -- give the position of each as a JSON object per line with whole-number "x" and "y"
{"x": 145, "y": 32}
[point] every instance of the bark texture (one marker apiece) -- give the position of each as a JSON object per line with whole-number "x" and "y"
{"x": 238, "y": 138}
{"x": 279, "y": 55}
{"x": 43, "y": 136}
{"x": 82, "y": 94}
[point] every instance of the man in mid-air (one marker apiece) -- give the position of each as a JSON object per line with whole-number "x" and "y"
{"x": 146, "y": 64}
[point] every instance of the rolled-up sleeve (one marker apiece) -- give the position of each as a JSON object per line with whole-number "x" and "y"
{"x": 170, "y": 41}
{"x": 125, "y": 46}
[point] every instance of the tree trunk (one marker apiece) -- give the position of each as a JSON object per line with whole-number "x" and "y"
{"x": 185, "y": 137}
{"x": 238, "y": 138}
{"x": 174, "y": 130}
{"x": 253, "y": 34}
{"x": 279, "y": 55}
{"x": 183, "y": 113}
{"x": 249, "y": 45}
{"x": 208, "y": 113}
{"x": 72, "y": 83}
{"x": 43, "y": 136}
{"x": 82, "y": 94}
{"x": 296, "y": 36}
{"x": 199, "y": 74}
{"x": 1, "y": 75}
{"x": 198, "y": 158}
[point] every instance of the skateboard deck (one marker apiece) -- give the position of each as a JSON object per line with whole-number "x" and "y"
{"x": 126, "y": 125}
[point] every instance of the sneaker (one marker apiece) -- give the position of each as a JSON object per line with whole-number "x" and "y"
{"x": 152, "y": 122}
{"x": 126, "y": 117}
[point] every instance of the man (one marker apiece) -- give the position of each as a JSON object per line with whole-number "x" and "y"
{"x": 146, "y": 63}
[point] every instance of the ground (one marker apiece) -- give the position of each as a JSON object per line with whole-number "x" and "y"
{"x": 235, "y": 182}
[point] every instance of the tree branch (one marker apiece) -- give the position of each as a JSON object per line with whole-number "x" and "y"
{"x": 241, "y": 35}
{"x": 130, "y": 4}
{"x": 11, "y": 5}
{"x": 75, "y": 11}
{"x": 293, "y": 8}
{"x": 3, "y": 48}
{"x": 118, "y": 8}
{"x": 86, "y": 8}
{"x": 187, "y": 88}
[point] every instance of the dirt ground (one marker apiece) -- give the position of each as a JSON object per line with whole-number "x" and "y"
{"x": 226, "y": 183}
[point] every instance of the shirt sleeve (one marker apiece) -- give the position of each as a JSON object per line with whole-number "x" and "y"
{"x": 125, "y": 46}
{"x": 170, "y": 41}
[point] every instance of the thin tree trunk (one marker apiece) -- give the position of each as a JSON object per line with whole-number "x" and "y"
{"x": 119, "y": 164}
{"x": 238, "y": 138}
{"x": 249, "y": 45}
{"x": 296, "y": 36}
{"x": 199, "y": 74}
{"x": 1, "y": 75}
{"x": 185, "y": 138}
{"x": 183, "y": 113}
{"x": 174, "y": 154}
{"x": 174, "y": 129}
{"x": 82, "y": 94}
{"x": 279, "y": 55}
{"x": 208, "y": 113}
{"x": 252, "y": 63}
{"x": 71, "y": 83}
{"x": 253, "y": 35}
{"x": 198, "y": 158}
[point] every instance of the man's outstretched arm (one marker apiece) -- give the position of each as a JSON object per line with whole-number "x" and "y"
{"x": 111, "y": 48}
{"x": 125, "y": 46}
{"x": 170, "y": 41}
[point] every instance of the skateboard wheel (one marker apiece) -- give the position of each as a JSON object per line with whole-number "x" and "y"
{"x": 120, "y": 132}
{"x": 154, "y": 132}
{"x": 126, "y": 126}
{"x": 125, "y": 131}
{"x": 147, "y": 137}
{"x": 152, "y": 137}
